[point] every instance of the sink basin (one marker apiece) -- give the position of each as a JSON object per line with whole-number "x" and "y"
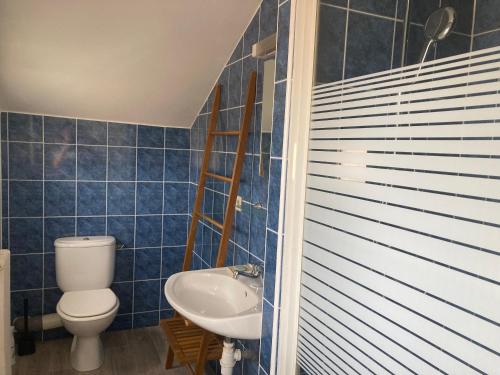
{"x": 215, "y": 301}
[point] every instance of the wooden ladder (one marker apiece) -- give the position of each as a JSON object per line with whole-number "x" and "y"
{"x": 188, "y": 342}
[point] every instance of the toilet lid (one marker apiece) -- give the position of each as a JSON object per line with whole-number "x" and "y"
{"x": 87, "y": 303}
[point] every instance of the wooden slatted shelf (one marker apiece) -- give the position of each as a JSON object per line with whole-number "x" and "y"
{"x": 185, "y": 340}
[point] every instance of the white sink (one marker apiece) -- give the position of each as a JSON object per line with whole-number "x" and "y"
{"x": 214, "y": 300}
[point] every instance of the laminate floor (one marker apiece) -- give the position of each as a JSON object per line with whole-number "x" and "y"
{"x": 132, "y": 352}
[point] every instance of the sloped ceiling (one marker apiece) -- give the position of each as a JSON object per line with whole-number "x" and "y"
{"x": 140, "y": 61}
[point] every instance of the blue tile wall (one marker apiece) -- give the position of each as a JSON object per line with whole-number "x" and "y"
{"x": 360, "y": 37}
{"x": 66, "y": 177}
{"x": 255, "y": 234}
{"x": 487, "y": 24}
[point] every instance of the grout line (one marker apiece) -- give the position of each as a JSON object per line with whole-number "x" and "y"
{"x": 43, "y": 221}
{"x": 349, "y": 9}
{"x": 135, "y": 227}
{"x": 346, "y": 30}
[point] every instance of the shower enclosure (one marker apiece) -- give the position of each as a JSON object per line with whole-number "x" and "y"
{"x": 395, "y": 181}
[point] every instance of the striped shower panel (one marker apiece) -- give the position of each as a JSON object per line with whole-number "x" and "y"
{"x": 401, "y": 253}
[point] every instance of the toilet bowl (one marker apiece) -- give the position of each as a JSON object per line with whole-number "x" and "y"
{"x": 84, "y": 272}
{"x": 86, "y": 314}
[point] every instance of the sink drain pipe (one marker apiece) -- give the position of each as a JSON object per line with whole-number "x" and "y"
{"x": 230, "y": 356}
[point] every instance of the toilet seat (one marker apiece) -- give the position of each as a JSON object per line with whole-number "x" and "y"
{"x": 87, "y": 303}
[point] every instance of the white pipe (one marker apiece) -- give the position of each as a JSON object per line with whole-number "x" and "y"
{"x": 39, "y": 322}
{"x": 230, "y": 356}
{"x": 5, "y": 331}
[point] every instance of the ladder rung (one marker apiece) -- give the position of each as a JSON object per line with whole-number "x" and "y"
{"x": 210, "y": 220}
{"x": 226, "y": 132}
{"x": 219, "y": 177}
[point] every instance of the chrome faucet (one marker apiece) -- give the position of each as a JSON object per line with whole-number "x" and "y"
{"x": 248, "y": 270}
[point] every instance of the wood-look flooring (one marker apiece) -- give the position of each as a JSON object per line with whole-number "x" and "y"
{"x": 132, "y": 352}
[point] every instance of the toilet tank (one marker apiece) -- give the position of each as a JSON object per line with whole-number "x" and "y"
{"x": 85, "y": 263}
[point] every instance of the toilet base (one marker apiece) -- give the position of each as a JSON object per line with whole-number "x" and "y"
{"x": 87, "y": 353}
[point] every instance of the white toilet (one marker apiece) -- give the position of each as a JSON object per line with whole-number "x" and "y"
{"x": 84, "y": 272}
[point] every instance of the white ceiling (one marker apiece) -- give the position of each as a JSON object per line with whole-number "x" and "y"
{"x": 140, "y": 61}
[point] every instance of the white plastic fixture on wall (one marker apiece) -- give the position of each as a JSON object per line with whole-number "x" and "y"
{"x": 401, "y": 254}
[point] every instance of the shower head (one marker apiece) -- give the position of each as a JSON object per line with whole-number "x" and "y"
{"x": 437, "y": 27}
{"x": 440, "y": 23}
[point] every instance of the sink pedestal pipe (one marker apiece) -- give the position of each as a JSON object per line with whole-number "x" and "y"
{"x": 230, "y": 356}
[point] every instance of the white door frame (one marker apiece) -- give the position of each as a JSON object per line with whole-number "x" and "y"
{"x": 304, "y": 23}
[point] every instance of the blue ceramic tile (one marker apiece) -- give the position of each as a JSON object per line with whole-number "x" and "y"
{"x": 59, "y": 130}
{"x": 177, "y": 138}
{"x": 122, "y": 228}
{"x": 60, "y": 162}
{"x": 282, "y": 42}
{"x": 245, "y": 190}
{"x": 149, "y": 164}
{"x": 150, "y": 136}
{"x": 260, "y": 183}
{"x": 25, "y": 128}
{"x": 121, "y": 164}
{"x": 26, "y": 271}
{"x": 257, "y": 232}
{"x": 268, "y": 15}
{"x": 234, "y": 88}
{"x": 92, "y": 163}
{"x": 251, "y": 35}
{"x": 487, "y": 40}
{"x": 91, "y": 226}
{"x": 5, "y": 160}
{"x": 122, "y": 134}
{"x": 56, "y": 228}
{"x": 241, "y": 256}
{"x": 176, "y": 198}
{"x": 51, "y": 298}
{"x": 3, "y": 126}
{"x": 49, "y": 271}
{"x": 26, "y": 235}
{"x": 60, "y": 198}
{"x": 369, "y": 45}
{"x": 149, "y": 198}
{"x": 421, "y": 10}
{"x": 233, "y": 123}
{"x": 147, "y": 319}
{"x": 249, "y": 66}
{"x": 242, "y": 226}
{"x": 91, "y": 198}
{"x": 278, "y": 119}
{"x": 26, "y": 198}
{"x": 176, "y": 165}
{"x": 121, "y": 322}
{"x": 5, "y": 231}
{"x": 25, "y": 161}
{"x": 121, "y": 198}
{"x": 124, "y": 292}
{"x": 454, "y": 44}
{"x": 237, "y": 52}
{"x": 487, "y": 17}
{"x": 147, "y": 295}
{"x": 224, "y": 80}
{"x": 147, "y": 264}
{"x": 34, "y": 301}
{"x": 148, "y": 231}
{"x": 267, "y": 336}
{"x": 92, "y": 132}
{"x": 5, "y": 198}
{"x": 172, "y": 260}
{"x": 124, "y": 265}
{"x": 274, "y": 194}
{"x": 270, "y": 266}
{"x": 175, "y": 230}
{"x": 381, "y": 7}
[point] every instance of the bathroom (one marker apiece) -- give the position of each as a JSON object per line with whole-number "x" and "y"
{"x": 107, "y": 113}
